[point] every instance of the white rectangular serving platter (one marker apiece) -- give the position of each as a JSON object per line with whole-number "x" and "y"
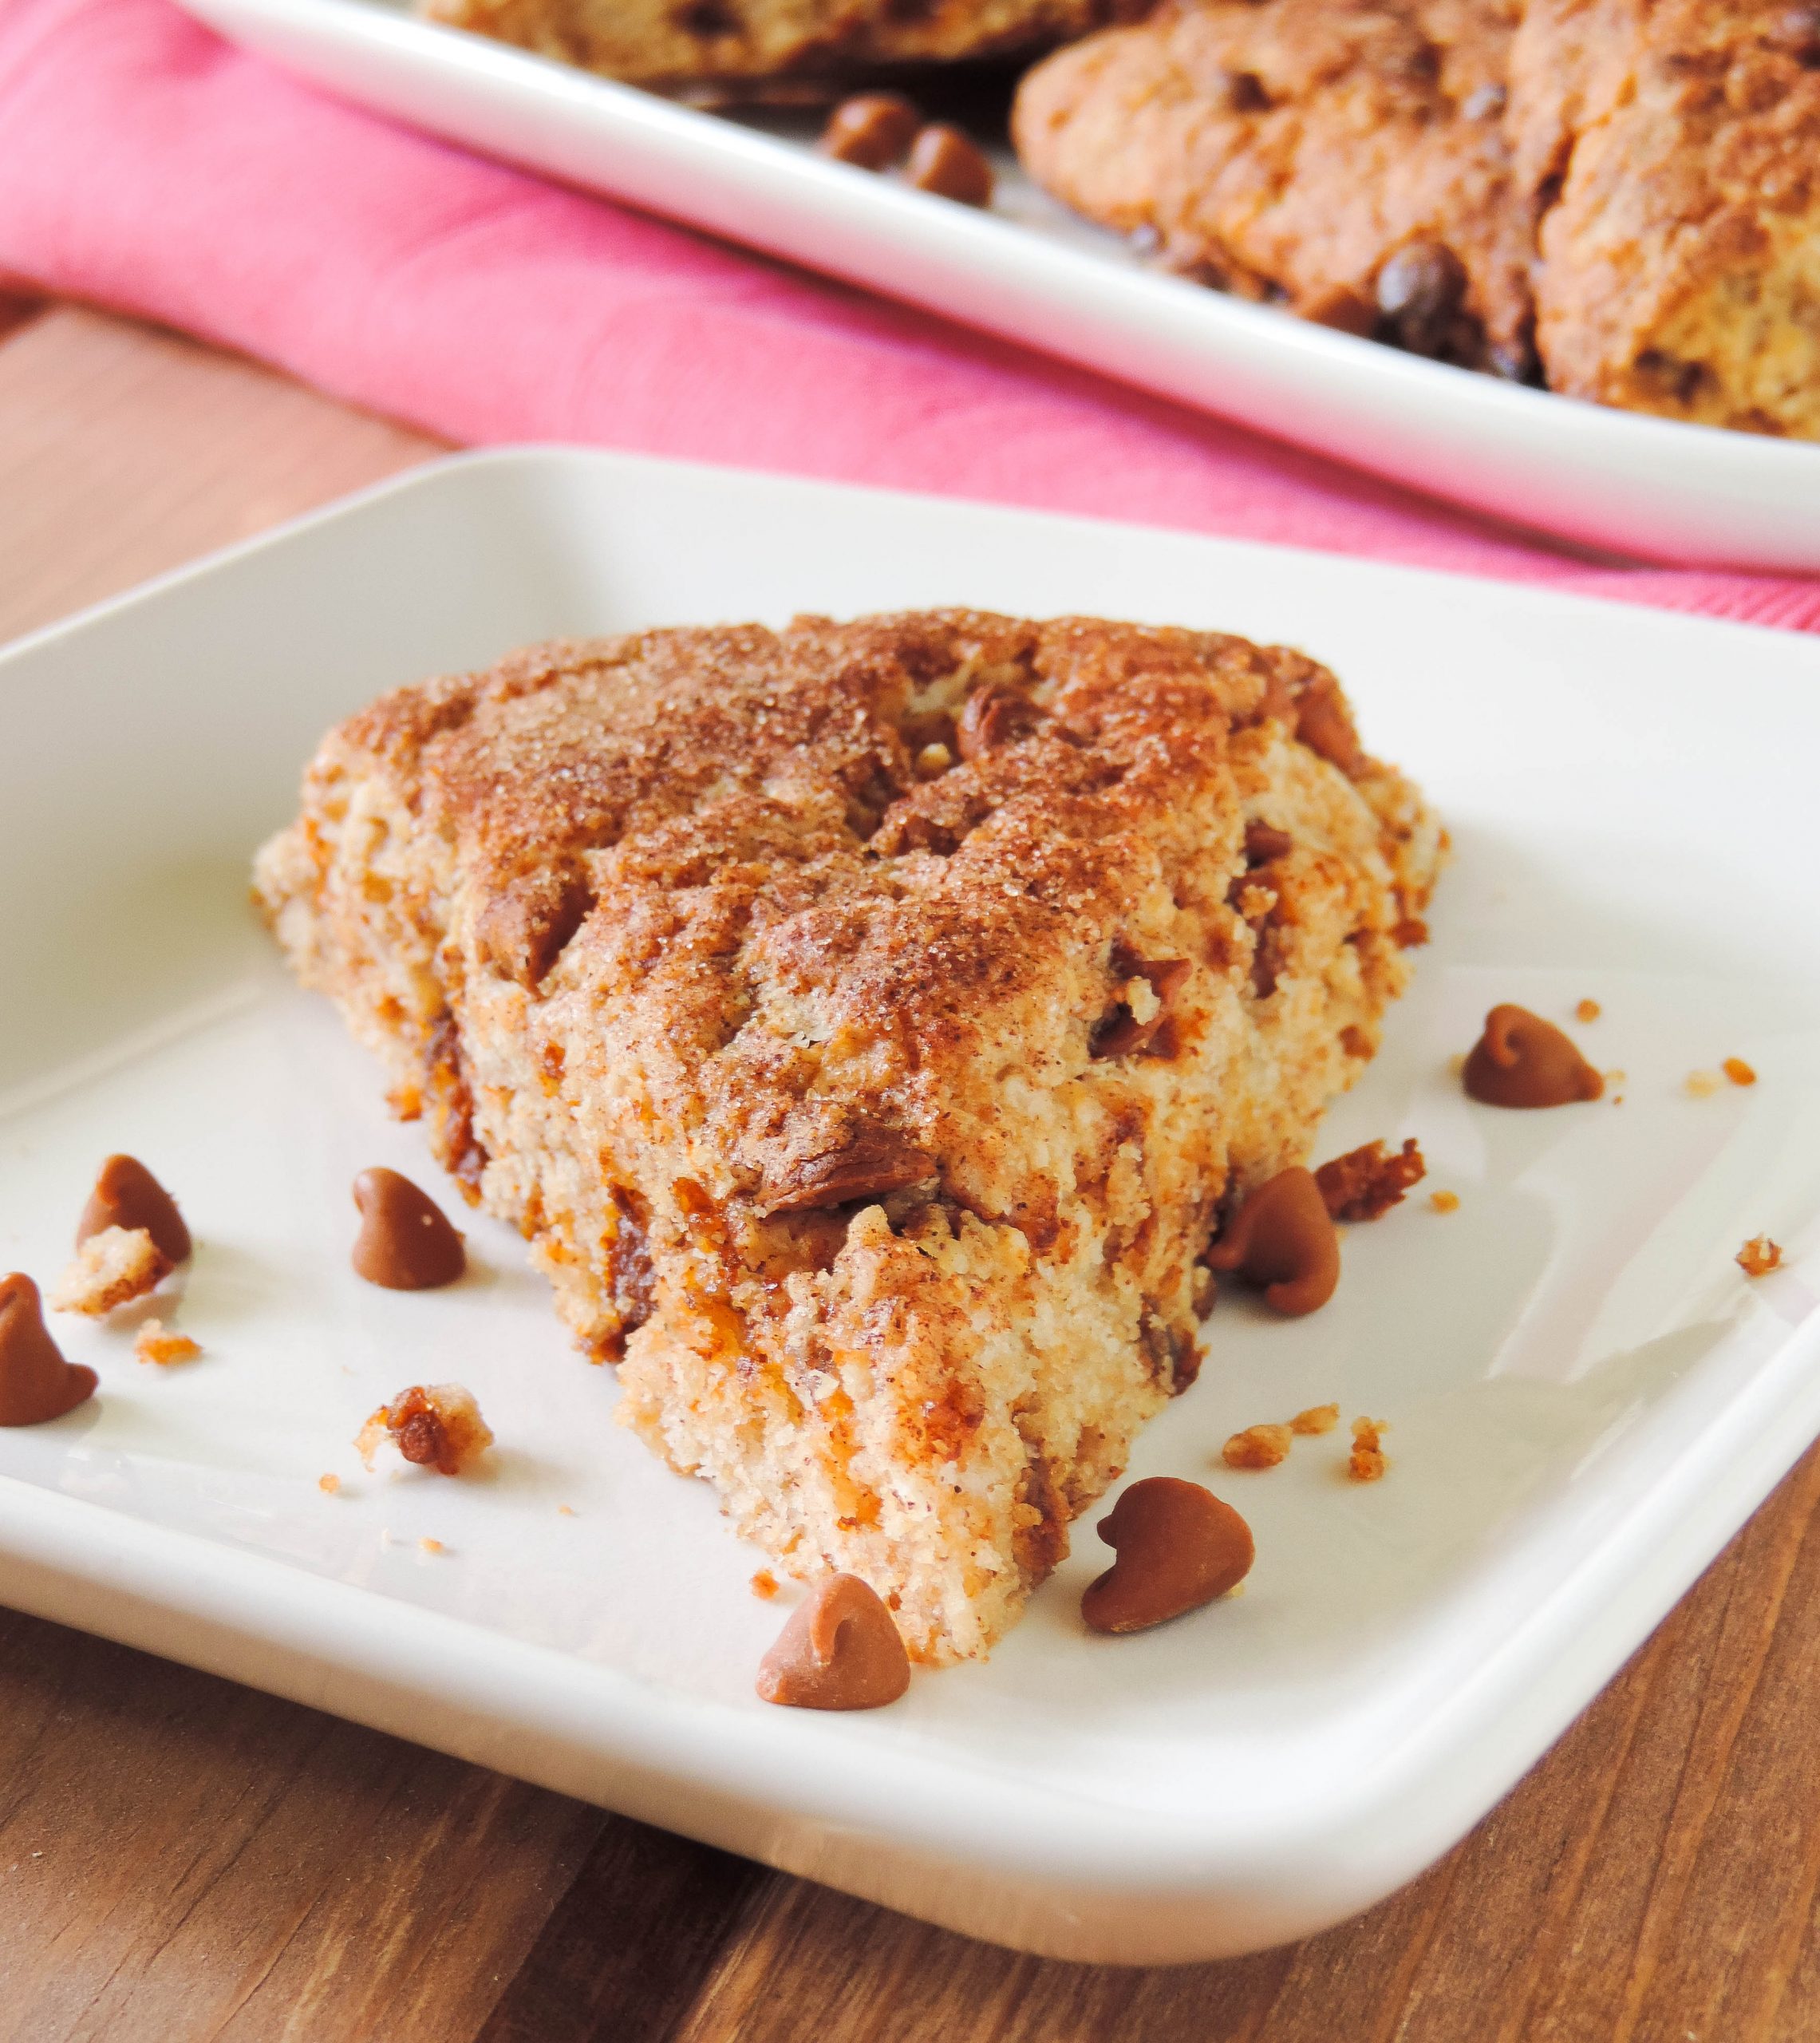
{"x": 1029, "y": 270}
{"x": 1586, "y": 1396}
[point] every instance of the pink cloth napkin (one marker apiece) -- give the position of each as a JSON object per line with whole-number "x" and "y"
{"x": 148, "y": 166}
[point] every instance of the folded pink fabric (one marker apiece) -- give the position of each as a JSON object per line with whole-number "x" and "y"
{"x": 148, "y": 166}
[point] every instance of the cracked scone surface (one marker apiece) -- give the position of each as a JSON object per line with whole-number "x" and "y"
{"x": 664, "y": 45}
{"x": 866, "y": 1023}
{"x": 1291, "y": 149}
{"x": 1669, "y": 154}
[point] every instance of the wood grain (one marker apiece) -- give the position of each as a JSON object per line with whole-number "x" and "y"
{"x": 182, "y": 1859}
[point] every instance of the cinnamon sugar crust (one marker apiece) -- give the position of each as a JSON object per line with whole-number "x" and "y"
{"x": 1669, "y": 155}
{"x": 808, "y": 1076}
{"x": 726, "y": 44}
{"x": 1348, "y": 159}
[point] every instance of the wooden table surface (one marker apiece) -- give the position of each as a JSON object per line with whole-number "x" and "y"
{"x": 180, "y": 1858}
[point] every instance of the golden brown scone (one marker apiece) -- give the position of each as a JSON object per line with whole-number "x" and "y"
{"x": 1346, "y": 156}
{"x": 677, "y": 43}
{"x": 1671, "y": 151}
{"x": 865, "y": 1023}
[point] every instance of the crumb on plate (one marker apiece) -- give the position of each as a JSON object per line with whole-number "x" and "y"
{"x": 329, "y": 1485}
{"x": 111, "y": 1269}
{"x": 1703, "y": 1084}
{"x": 155, "y": 1342}
{"x": 1738, "y": 1071}
{"x": 1367, "y": 1181}
{"x": 428, "y": 1546}
{"x": 1759, "y": 1256}
{"x": 764, "y": 1585}
{"x": 1445, "y": 1202}
{"x": 1588, "y": 1010}
{"x": 1367, "y": 1462}
{"x": 1316, "y": 1419}
{"x": 438, "y": 1427}
{"x": 1258, "y": 1446}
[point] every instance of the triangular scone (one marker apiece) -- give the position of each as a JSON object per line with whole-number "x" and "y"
{"x": 865, "y": 1023}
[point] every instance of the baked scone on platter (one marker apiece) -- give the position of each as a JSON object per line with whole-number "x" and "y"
{"x": 868, "y": 1025}
{"x": 1668, "y": 152}
{"x": 718, "y": 46}
{"x": 1345, "y": 157}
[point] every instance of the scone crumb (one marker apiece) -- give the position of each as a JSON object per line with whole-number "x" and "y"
{"x": 438, "y": 1427}
{"x": 1588, "y": 1010}
{"x": 111, "y": 1268}
{"x": 329, "y": 1485}
{"x": 1367, "y": 1181}
{"x": 1703, "y": 1084}
{"x": 1445, "y": 1202}
{"x": 157, "y": 1343}
{"x": 1759, "y": 1256}
{"x": 1258, "y": 1446}
{"x": 764, "y": 1585}
{"x": 933, "y": 761}
{"x": 1316, "y": 1419}
{"x": 1367, "y": 1462}
{"x": 1738, "y": 1071}
{"x": 565, "y": 1511}
{"x": 428, "y": 1546}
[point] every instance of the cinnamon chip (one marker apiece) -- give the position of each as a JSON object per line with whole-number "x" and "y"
{"x": 1179, "y": 1547}
{"x": 406, "y": 1242}
{"x": 872, "y": 1162}
{"x": 36, "y": 1382}
{"x": 1142, "y": 1019}
{"x": 438, "y": 1427}
{"x": 1282, "y": 1239}
{"x": 1759, "y": 1256}
{"x": 1367, "y": 1182}
{"x": 841, "y": 1650}
{"x": 126, "y": 1195}
{"x": 1521, "y": 1060}
{"x": 872, "y": 130}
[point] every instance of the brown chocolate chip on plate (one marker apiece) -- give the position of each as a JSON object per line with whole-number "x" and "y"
{"x": 840, "y": 1651}
{"x": 1282, "y": 1239}
{"x": 126, "y": 1195}
{"x": 1179, "y": 1547}
{"x": 871, "y": 130}
{"x": 36, "y": 1382}
{"x": 1521, "y": 1060}
{"x": 1418, "y": 291}
{"x": 405, "y": 1242}
{"x": 944, "y": 161}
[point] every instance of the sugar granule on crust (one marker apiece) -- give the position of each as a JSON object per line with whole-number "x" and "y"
{"x": 1368, "y": 1181}
{"x": 1759, "y": 1256}
{"x": 111, "y": 1269}
{"x": 1258, "y": 1446}
{"x": 872, "y": 1120}
{"x": 155, "y": 1342}
{"x": 1367, "y": 1462}
{"x": 438, "y": 1426}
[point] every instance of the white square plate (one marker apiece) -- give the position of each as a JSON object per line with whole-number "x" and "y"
{"x": 1586, "y": 1395}
{"x": 1030, "y": 270}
